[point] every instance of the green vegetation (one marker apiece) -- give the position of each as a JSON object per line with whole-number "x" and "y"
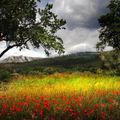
{"x": 68, "y": 96}
{"x": 23, "y": 22}
{"x": 79, "y": 62}
{"x": 110, "y": 30}
{"x": 111, "y": 61}
{"x": 70, "y": 87}
{"x": 110, "y": 35}
{"x": 4, "y": 75}
{"x": 74, "y": 62}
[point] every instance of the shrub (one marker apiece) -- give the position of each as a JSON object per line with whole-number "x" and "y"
{"x": 4, "y": 75}
{"x": 99, "y": 71}
{"x": 49, "y": 70}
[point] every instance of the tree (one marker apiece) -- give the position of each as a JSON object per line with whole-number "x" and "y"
{"x": 23, "y": 22}
{"x": 110, "y": 31}
{"x": 110, "y": 27}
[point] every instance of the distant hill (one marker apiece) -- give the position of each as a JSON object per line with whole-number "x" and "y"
{"x": 18, "y": 59}
{"x": 81, "y": 61}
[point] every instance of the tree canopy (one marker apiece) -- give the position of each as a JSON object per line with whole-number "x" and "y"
{"x": 23, "y": 22}
{"x": 110, "y": 34}
{"x": 110, "y": 27}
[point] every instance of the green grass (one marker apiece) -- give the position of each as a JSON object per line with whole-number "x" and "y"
{"x": 69, "y": 81}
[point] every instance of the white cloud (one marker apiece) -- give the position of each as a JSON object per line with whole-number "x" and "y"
{"x": 83, "y": 47}
{"x": 84, "y": 39}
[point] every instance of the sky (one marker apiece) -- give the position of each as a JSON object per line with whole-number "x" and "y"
{"x": 82, "y": 28}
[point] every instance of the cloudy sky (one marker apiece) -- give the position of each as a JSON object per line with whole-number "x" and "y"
{"x": 82, "y": 28}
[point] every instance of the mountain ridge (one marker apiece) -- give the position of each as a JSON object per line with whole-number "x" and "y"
{"x": 19, "y": 59}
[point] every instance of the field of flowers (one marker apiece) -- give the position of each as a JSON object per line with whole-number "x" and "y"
{"x": 61, "y": 96}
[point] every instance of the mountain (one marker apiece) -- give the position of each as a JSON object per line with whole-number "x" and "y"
{"x": 18, "y": 59}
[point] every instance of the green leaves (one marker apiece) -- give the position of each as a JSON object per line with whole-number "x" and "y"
{"x": 23, "y": 21}
{"x": 50, "y": 21}
{"x": 110, "y": 35}
{"x": 110, "y": 27}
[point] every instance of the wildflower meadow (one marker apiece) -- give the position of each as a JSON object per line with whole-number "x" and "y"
{"x": 61, "y": 96}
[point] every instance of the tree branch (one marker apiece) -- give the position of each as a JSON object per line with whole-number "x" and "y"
{"x": 8, "y": 48}
{"x": 11, "y": 46}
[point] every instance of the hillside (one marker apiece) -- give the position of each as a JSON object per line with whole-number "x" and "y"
{"x": 83, "y": 61}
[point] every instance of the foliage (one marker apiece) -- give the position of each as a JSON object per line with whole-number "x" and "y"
{"x": 110, "y": 33}
{"x": 111, "y": 60}
{"x": 4, "y": 75}
{"x": 23, "y": 23}
{"x": 110, "y": 27}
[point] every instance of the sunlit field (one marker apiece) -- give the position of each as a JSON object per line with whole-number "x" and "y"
{"x": 61, "y": 96}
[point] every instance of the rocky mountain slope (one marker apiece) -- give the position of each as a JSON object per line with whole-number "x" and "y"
{"x": 18, "y": 59}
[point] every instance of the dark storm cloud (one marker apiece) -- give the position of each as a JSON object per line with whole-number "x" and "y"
{"x": 81, "y": 13}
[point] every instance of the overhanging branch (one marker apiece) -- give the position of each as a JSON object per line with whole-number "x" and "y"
{"x": 8, "y": 48}
{"x": 11, "y": 46}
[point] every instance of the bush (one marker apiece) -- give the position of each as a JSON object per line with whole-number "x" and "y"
{"x": 35, "y": 73}
{"x": 4, "y": 75}
{"x": 99, "y": 71}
